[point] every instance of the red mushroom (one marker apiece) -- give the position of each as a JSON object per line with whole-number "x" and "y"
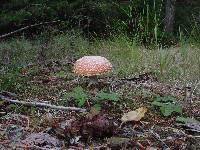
{"x": 91, "y": 66}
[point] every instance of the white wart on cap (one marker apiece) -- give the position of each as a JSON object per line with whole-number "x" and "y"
{"x": 92, "y": 66}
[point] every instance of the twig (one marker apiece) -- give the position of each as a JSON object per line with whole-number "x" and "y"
{"x": 41, "y": 104}
{"x": 141, "y": 147}
{"x": 27, "y": 27}
{"x": 32, "y": 147}
{"x": 189, "y": 99}
{"x": 166, "y": 147}
{"x": 194, "y": 89}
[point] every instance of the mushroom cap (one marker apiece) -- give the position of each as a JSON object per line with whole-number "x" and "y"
{"x": 92, "y": 65}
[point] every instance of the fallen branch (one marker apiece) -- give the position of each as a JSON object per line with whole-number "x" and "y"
{"x": 41, "y": 104}
{"x": 27, "y": 27}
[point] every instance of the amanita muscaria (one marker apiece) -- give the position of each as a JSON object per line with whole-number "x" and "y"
{"x": 92, "y": 66}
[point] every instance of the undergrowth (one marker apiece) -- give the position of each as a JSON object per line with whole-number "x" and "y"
{"x": 178, "y": 64}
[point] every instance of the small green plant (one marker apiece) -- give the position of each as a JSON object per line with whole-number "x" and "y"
{"x": 167, "y": 105}
{"x": 107, "y": 96}
{"x": 186, "y": 120}
{"x": 164, "y": 61}
{"x": 103, "y": 96}
{"x": 12, "y": 80}
{"x": 80, "y": 96}
{"x": 60, "y": 74}
{"x": 97, "y": 107}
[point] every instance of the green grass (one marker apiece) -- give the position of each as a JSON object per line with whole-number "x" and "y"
{"x": 181, "y": 63}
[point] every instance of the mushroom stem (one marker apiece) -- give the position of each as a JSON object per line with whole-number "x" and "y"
{"x": 93, "y": 80}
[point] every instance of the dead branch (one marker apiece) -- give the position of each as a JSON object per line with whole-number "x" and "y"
{"x": 37, "y": 104}
{"x": 27, "y": 27}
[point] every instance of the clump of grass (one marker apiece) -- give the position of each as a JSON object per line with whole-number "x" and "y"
{"x": 71, "y": 44}
{"x": 17, "y": 51}
{"x": 123, "y": 52}
{"x": 12, "y": 79}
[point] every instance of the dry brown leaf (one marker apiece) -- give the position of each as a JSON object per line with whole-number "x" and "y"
{"x": 136, "y": 115}
{"x": 93, "y": 112}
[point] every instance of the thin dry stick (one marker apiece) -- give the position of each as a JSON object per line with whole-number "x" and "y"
{"x": 156, "y": 136}
{"x": 41, "y": 104}
{"x": 31, "y": 147}
{"x": 26, "y": 27}
{"x": 194, "y": 89}
{"x": 190, "y": 99}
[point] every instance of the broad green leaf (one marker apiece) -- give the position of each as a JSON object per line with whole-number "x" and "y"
{"x": 167, "y": 105}
{"x": 79, "y": 95}
{"x": 166, "y": 99}
{"x": 107, "y": 96}
{"x": 168, "y": 109}
{"x": 97, "y": 107}
{"x": 81, "y": 102}
{"x": 186, "y": 120}
{"x": 156, "y": 103}
{"x": 60, "y": 74}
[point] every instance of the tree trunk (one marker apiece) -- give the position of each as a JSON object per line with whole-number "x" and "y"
{"x": 169, "y": 16}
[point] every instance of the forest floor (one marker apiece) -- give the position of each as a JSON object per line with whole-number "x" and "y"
{"x": 149, "y": 101}
{"x": 137, "y": 112}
